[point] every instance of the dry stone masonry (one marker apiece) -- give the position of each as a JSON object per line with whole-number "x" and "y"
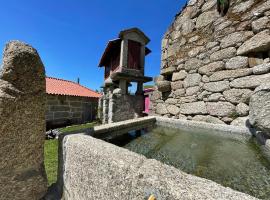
{"x": 211, "y": 64}
{"x": 22, "y": 119}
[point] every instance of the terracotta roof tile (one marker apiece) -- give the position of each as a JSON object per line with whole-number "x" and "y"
{"x": 68, "y": 88}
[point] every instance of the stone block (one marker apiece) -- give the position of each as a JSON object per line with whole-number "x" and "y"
{"x": 219, "y": 86}
{"x": 206, "y": 18}
{"x": 60, "y": 115}
{"x": 179, "y": 75}
{"x": 223, "y": 54}
{"x": 207, "y": 119}
{"x": 172, "y": 109}
{"x": 192, "y": 80}
{"x": 234, "y": 38}
{"x": 260, "y": 24}
{"x": 193, "y": 64}
{"x": 228, "y": 74}
{"x": 259, "y": 114}
{"x": 237, "y": 62}
{"x": 236, "y": 96}
{"x": 211, "y": 68}
{"x": 194, "y": 108}
{"x": 164, "y": 86}
{"x": 240, "y": 121}
{"x": 161, "y": 109}
{"x": 258, "y": 43}
{"x": 220, "y": 109}
{"x": 242, "y": 109}
{"x": 177, "y": 85}
{"x": 192, "y": 90}
{"x": 261, "y": 69}
{"x": 168, "y": 70}
{"x": 252, "y": 81}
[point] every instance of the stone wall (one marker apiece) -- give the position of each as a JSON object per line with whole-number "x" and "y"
{"x": 212, "y": 64}
{"x": 117, "y": 106}
{"x": 65, "y": 110}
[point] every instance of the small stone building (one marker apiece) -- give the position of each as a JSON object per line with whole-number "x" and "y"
{"x": 69, "y": 103}
{"x": 212, "y": 61}
{"x": 123, "y": 60}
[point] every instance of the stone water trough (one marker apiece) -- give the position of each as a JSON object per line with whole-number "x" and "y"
{"x": 91, "y": 168}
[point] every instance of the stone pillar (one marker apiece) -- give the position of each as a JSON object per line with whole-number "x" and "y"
{"x": 123, "y": 86}
{"x": 105, "y": 107}
{"x": 139, "y": 88}
{"x": 142, "y": 59}
{"x": 22, "y": 124}
{"x": 111, "y": 106}
{"x": 124, "y": 53}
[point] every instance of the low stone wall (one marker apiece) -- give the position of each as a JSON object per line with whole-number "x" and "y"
{"x": 211, "y": 63}
{"x": 94, "y": 169}
{"x": 65, "y": 110}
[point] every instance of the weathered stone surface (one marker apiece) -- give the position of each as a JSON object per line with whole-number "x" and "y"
{"x": 227, "y": 74}
{"x": 179, "y": 75}
{"x": 192, "y": 90}
{"x": 194, "y": 52}
{"x": 179, "y": 93}
{"x": 161, "y": 109}
{"x": 240, "y": 121}
{"x": 259, "y": 115}
{"x": 208, "y": 119}
{"x": 187, "y": 26}
{"x": 168, "y": 70}
{"x": 243, "y": 6}
{"x": 172, "y": 109}
{"x": 237, "y": 62}
{"x": 208, "y": 5}
{"x": 259, "y": 42}
{"x": 193, "y": 64}
{"x": 206, "y": 18}
{"x": 242, "y": 109}
{"x": 110, "y": 172}
{"x": 22, "y": 119}
{"x": 192, "y": 80}
{"x": 261, "y": 69}
{"x": 164, "y": 86}
{"x": 215, "y": 97}
{"x": 155, "y": 95}
{"x": 219, "y": 86}
{"x": 220, "y": 108}
{"x": 237, "y": 95}
{"x": 234, "y": 38}
{"x": 260, "y": 24}
{"x": 223, "y": 54}
{"x": 193, "y": 108}
{"x": 177, "y": 85}
{"x": 171, "y": 101}
{"x": 254, "y": 61}
{"x": 211, "y": 68}
{"x": 250, "y": 81}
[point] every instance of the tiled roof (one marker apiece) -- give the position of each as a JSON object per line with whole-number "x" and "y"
{"x": 68, "y": 88}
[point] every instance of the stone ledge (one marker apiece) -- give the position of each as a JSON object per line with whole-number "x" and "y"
{"x": 95, "y": 169}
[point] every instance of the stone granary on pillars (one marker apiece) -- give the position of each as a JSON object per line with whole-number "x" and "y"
{"x": 124, "y": 60}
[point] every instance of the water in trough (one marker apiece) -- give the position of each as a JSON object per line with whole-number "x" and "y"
{"x": 235, "y": 162}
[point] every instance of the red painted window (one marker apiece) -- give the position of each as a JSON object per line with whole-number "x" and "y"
{"x": 134, "y": 55}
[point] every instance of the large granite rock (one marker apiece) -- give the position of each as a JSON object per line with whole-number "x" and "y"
{"x": 206, "y": 18}
{"x": 193, "y": 108}
{"x": 211, "y": 68}
{"x": 259, "y": 42}
{"x": 94, "y": 169}
{"x": 236, "y": 96}
{"x": 237, "y": 62}
{"x": 227, "y": 74}
{"x": 220, "y": 109}
{"x": 240, "y": 121}
{"x": 192, "y": 80}
{"x": 259, "y": 115}
{"x": 164, "y": 86}
{"x": 22, "y": 124}
{"x": 161, "y": 109}
{"x": 234, "y": 38}
{"x": 223, "y": 54}
{"x": 208, "y": 119}
{"x": 252, "y": 81}
{"x": 172, "y": 109}
{"x": 219, "y": 86}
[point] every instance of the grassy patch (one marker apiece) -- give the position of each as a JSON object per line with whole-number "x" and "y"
{"x": 78, "y": 127}
{"x": 51, "y": 160}
{"x": 51, "y": 151}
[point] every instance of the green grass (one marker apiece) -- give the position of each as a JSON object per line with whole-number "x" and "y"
{"x": 78, "y": 127}
{"x": 51, "y": 151}
{"x": 51, "y": 160}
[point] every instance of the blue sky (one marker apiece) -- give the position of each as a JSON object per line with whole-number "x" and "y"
{"x": 70, "y": 35}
